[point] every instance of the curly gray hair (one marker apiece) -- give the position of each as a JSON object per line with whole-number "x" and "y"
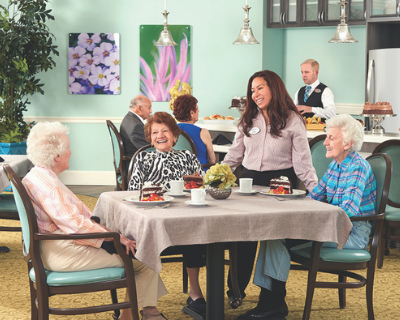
{"x": 45, "y": 142}
{"x": 352, "y": 130}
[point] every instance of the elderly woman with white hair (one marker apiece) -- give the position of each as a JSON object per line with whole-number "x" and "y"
{"x": 348, "y": 183}
{"x": 59, "y": 211}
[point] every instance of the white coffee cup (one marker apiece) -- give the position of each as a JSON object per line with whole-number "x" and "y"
{"x": 176, "y": 187}
{"x": 246, "y": 184}
{"x": 198, "y": 196}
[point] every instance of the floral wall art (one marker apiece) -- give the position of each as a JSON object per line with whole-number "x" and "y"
{"x": 161, "y": 67}
{"x": 94, "y": 63}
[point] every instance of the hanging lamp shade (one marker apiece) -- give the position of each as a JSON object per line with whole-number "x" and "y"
{"x": 246, "y": 34}
{"x": 342, "y": 33}
{"x": 165, "y": 38}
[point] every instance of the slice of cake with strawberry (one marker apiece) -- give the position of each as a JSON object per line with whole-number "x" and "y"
{"x": 193, "y": 181}
{"x": 281, "y": 185}
{"x": 151, "y": 192}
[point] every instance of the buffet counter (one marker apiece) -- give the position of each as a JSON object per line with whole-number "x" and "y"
{"x": 229, "y": 128}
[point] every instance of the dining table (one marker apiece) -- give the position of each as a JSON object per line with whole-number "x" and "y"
{"x": 253, "y": 216}
{"x": 21, "y": 165}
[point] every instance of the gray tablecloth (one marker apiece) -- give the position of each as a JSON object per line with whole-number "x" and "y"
{"x": 19, "y": 163}
{"x": 238, "y": 218}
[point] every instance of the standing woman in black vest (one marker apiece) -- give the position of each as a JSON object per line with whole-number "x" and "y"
{"x": 315, "y": 98}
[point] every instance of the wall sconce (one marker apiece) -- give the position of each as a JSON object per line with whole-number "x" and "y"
{"x": 165, "y": 36}
{"x": 246, "y": 34}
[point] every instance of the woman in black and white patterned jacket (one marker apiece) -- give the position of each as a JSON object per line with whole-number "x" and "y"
{"x": 161, "y": 166}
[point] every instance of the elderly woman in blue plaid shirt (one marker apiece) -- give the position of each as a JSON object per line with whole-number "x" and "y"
{"x": 348, "y": 183}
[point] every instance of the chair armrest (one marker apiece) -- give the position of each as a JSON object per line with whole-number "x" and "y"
{"x": 368, "y": 218}
{"x": 126, "y": 158}
{"x": 76, "y": 236}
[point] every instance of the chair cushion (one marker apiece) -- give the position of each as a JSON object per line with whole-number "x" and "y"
{"x": 392, "y": 214}
{"x": 80, "y": 277}
{"x": 7, "y": 203}
{"x": 336, "y": 255}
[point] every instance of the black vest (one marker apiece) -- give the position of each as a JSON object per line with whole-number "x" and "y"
{"x": 314, "y": 100}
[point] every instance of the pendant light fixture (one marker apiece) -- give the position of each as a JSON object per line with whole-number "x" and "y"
{"x": 165, "y": 36}
{"x": 246, "y": 34}
{"x": 342, "y": 34}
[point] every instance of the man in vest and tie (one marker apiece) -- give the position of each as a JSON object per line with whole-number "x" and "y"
{"x": 314, "y": 98}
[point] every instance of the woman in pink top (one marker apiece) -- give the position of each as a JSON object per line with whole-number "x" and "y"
{"x": 58, "y": 210}
{"x": 271, "y": 141}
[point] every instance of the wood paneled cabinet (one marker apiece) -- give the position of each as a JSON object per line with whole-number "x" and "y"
{"x": 312, "y": 13}
{"x": 383, "y": 10}
{"x": 283, "y": 13}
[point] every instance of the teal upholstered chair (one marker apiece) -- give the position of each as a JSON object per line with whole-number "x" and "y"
{"x": 185, "y": 143}
{"x": 392, "y": 213}
{"x": 8, "y": 211}
{"x": 331, "y": 260}
{"x": 45, "y": 283}
{"x": 318, "y": 152}
{"x": 120, "y": 160}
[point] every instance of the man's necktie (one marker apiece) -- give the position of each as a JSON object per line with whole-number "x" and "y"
{"x": 308, "y": 88}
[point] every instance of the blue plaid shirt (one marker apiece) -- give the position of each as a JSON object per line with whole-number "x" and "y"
{"x": 350, "y": 185}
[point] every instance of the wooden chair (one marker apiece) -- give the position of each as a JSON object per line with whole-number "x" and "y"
{"x": 45, "y": 283}
{"x": 8, "y": 211}
{"x": 339, "y": 262}
{"x": 318, "y": 152}
{"x": 120, "y": 160}
{"x": 391, "y": 225}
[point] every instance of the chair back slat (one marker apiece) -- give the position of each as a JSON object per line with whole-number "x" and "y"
{"x": 381, "y": 166}
{"x": 392, "y": 148}
{"x": 184, "y": 142}
{"x": 118, "y": 153}
{"x": 24, "y": 206}
{"x": 318, "y": 155}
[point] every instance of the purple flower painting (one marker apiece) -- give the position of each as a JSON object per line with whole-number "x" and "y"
{"x": 161, "y": 67}
{"x": 94, "y": 63}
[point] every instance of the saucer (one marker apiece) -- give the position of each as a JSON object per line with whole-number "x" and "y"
{"x": 253, "y": 191}
{"x": 183, "y": 194}
{"x": 189, "y": 202}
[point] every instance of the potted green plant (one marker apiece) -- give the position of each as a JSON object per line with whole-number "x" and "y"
{"x": 26, "y": 50}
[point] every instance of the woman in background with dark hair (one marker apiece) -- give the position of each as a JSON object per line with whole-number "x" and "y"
{"x": 186, "y": 111}
{"x": 271, "y": 141}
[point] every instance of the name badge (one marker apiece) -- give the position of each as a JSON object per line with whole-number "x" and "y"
{"x": 317, "y": 90}
{"x": 254, "y": 130}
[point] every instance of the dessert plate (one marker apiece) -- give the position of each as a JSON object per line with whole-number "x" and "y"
{"x": 246, "y": 193}
{"x": 135, "y": 199}
{"x": 295, "y": 193}
{"x": 183, "y": 194}
{"x": 190, "y": 203}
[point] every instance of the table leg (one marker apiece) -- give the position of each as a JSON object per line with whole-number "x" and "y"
{"x": 215, "y": 281}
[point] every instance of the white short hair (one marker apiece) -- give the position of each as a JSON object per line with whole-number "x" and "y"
{"x": 45, "y": 142}
{"x": 352, "y": 130}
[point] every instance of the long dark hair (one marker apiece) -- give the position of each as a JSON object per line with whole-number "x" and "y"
{"x": 279, "y": 108}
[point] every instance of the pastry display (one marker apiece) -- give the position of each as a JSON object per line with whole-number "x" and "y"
{"x": 219, "y": 117}
{"x": 193, "y": 181}
{"x": 377, "y": 108}
{"x": 281, "y": 185}
{"x": 238, "y": 103}
{"x": 151, "y": 192}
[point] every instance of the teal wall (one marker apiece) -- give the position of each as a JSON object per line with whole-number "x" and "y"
{"x": 220, "y": 69}
{"x": 342, "y": 65}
